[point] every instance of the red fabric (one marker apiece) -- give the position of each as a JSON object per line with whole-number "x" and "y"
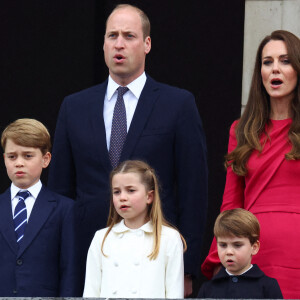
{"x": 271, "y": 191}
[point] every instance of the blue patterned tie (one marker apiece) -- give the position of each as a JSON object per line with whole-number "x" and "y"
{"x": 118, "y": 128}
{"x": 20, "y": 215}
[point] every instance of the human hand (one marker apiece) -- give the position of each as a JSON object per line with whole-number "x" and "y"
{"x": 188, "y": 285}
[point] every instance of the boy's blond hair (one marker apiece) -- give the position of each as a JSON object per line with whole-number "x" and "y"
{"x": 150, "y": 181}
{"x": 27, "y": 133}
{"x": 237, "y": 222}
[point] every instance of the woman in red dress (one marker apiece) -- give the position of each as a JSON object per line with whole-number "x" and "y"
{"x": 263, "y": 162}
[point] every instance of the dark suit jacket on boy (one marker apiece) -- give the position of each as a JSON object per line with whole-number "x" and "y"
{"x": 43, "y": 265}
{"x": 166, "y": 131}
{"x": 253, "y": 284}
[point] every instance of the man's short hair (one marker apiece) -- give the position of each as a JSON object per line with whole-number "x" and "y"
{"x": 237, "y": 222}
{"x": 27, "y": 133}
{"x": 146, "y": 27}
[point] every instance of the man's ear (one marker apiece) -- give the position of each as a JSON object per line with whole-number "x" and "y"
{"x": 147, "y": 44}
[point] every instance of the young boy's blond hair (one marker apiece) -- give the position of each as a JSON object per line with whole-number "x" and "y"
{"x": 27, "y": 133}
{"x": 237, "y": 222}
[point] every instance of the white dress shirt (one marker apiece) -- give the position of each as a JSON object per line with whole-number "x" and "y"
{"x": 131, "y": 98}
{"x": 230, "y": 274}
{"x": 29, "y": 202}
{"x": 127, "y": 272}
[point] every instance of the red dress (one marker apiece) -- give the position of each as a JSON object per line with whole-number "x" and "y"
{"x": 271, "y": 191}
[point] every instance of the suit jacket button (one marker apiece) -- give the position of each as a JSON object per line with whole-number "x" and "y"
{"x": 19, "y": 262}
{"x": 15, "y": 292}
{"x": 235, "y": 279}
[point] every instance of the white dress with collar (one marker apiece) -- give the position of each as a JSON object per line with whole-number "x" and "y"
{"x": 127, "y": 272}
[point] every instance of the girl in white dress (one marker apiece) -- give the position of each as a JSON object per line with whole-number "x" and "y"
{"x": 139, "y": 255}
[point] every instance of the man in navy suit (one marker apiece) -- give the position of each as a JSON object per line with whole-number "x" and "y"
{"x": 37, "y": 243}
{"x": 163, "y": 129}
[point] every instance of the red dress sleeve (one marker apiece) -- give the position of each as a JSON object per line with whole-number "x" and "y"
{"x": 233, "y": 197}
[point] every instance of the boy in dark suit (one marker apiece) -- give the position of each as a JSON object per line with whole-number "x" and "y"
{"x": 37, "y": 242}
{"x": 237, "y": 232}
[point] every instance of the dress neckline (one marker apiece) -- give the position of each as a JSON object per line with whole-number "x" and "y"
{"x": 281, "y": 122}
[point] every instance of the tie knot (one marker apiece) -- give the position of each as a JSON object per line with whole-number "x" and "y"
{"x": 122, "y": 90}
{"x": 23, "y": 195}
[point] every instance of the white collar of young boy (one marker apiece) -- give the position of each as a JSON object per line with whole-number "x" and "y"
{"x": 34, "y": 190}
{"x": 121, "y": 227}
{"x": 230, "y": 274}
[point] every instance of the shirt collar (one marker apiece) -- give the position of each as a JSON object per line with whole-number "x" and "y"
{"x": 230, "y": 274}
{"x": 253, "y": 272}
{"x": 135, "y": 87}
{"x": 121, "y": 227}
{"x": 34, "y": 190}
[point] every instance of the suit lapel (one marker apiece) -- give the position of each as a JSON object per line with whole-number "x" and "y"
{"x": 98, "y": 127}
{"x": 6, "y": 220}
{"x": 43, "y": 207}
{"x": 142, "y": 112}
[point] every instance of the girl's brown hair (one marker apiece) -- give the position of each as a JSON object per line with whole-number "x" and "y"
{"x": 149, "y": 180}
{"x": 257, "y": 111}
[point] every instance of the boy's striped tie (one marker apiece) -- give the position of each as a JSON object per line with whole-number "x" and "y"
{"x": 20, "y": 215}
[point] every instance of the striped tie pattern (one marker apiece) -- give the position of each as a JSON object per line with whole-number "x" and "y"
{"x": 20, "y": 215}
{"x": 118, "y": 128}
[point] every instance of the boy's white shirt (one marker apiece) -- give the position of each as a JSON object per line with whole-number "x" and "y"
{"x": 127, "y": 272}
{"x": 29, "y": 202}
{"x": 230, "y": 274}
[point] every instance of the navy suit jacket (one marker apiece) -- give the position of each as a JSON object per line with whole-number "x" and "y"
{"x": 253, "y": 284}
{"x": 44, "y": 263}
{"x": 165, "y": 131}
